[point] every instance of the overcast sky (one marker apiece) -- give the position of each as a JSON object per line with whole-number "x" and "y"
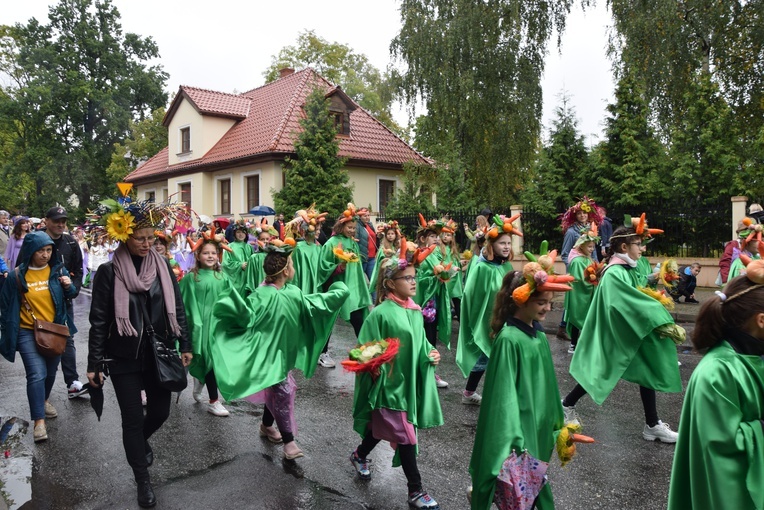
{"x": 228, "y": 44}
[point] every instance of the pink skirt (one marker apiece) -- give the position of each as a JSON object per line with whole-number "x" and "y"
{"x": 392, "y": 426}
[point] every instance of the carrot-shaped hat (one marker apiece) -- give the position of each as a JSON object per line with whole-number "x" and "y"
{"x": 502, "y": 225}
{"x": 640, "y": 227}
{"x": 209, "y": 237}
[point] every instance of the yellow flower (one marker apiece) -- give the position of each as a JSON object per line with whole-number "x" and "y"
{"x": 586, "y": 207}
{"x": 120, "y": 225}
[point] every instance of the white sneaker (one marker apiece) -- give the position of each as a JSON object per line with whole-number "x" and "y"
{"x": 661, "y": 432}
{"x": 570, "y": 415}
{"x": 198, "y": 388}
{"x": 472, "y": 400}
{"x": 217, "y": 409}
{"x": 571, "y": 348}
{"x": 440, "y": 383}
{"x": 326, "y": 361}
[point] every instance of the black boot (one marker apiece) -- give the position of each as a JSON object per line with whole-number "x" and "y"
{"x": 562, "y": 334}
{"x": 146, "y": 498}
{"x": 149, "y": 454}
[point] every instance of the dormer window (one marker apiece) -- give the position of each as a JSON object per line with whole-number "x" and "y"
{"x": 185, "y": 140}
{"x": 341, "y": 122}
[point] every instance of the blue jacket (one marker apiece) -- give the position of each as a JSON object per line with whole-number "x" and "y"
{"x": 10, "y": 299}
{"x": 363, "y": 239}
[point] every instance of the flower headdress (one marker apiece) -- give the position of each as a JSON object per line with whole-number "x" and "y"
{"x": 240, "y": 226}
{"x": 122, "y": 216}
{"x": 210, "y": 237}
{"x": 539, "y": 276}
{"x": 502, "y": 225}
{"x": 585, "y": 204}
{"x": 264, "y": 227}
{"x": 588, "y": 235}
{"x": 305, "y": 220}
{"x": 383, "y": 228}
{"x": 349, "y": 214}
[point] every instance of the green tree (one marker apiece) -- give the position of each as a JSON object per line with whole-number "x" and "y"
{"x": 704, "y": 150}
{"x": 339, "y": 64}
{"x": 668, "y": 42}
{"x": 630, "y": 162}
{"x": 78, "y": 81}
{"x": 147, "y": 137}
{"x": 415, "y": 195}
{"x": 476, "y": 66}
{"x": 316, "y": 173}
{"x": 560, "y": 173}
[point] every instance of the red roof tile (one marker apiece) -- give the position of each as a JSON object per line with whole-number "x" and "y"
{"x": 271, "y": 126}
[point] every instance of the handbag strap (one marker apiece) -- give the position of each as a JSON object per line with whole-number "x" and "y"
{"x": 147, "y": 326}
{"x": 22, "y": 293}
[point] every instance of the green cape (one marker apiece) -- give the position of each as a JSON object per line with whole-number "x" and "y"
{"x": 719, "y": 458}
{"x": 353, "y": 276}
{"x": 618, "y": 340}
{"x": 198, "y": 299}
{"x": 429, "y": 286}
{"x": 305, "y": 259}
{"x": 262, "y": 338}
{"x": 577, "y": 301}
{"x": 520, "y": 410}
{"x": 375, "y": 271}
{"x": 476, "y": 310}
{"x": 737, "y": 267}
{"x": 645, "y": 269}
{"x": 255, "y": 274}
{"x": 406, "y": 384}
{"x": 232, "y": 261}
{"x": 456, "y": 283}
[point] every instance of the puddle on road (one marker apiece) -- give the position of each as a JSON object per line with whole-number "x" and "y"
{"x": 16, "y": 462}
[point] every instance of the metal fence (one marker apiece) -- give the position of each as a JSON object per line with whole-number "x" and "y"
{"x": 691, "y": 228}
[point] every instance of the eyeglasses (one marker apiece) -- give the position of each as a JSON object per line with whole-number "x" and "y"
{"x": 142, "y": 240}
{"x": 408, "y": 278}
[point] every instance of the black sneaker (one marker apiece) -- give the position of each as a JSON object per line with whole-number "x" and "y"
{"x": 77, "y": 389}
{"x": 691, "y": 300}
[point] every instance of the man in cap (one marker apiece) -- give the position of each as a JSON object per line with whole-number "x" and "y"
{"x": 68, "y": 249}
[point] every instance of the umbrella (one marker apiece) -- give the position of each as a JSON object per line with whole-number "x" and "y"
{"x": 262, "y": 210}
{"x": 224, "y": 222}
{"x": 205, "y": 219}
{"x": 96, "y": 392}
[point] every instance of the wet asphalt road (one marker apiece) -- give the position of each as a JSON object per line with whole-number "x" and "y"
{"x": 202, "y": 461}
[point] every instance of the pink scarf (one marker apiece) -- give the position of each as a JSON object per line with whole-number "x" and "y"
{"x": 408, "y": 303}
{"x": 127, "y": 281}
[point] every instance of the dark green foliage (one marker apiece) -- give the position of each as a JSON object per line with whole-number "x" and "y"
{"x": 316, "y": 172}
{"x": 477, "y": 68}
{"x": 415, "y": 196}
{"x": 630, "y": 165}
{"x": 147, "y": 137}
{"x": 77, "y": 84}
{"x": 561, "y": 171}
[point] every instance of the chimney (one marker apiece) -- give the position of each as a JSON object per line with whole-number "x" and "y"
{"x": 286, "y": 71}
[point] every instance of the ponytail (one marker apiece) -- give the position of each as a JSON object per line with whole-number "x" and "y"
{"x": 504, "y": 306}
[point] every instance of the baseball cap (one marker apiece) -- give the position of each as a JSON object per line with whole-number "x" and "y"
{"x": 56, "y": 213}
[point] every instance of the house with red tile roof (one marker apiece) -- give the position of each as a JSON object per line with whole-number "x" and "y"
{"x": 225, "y": 152}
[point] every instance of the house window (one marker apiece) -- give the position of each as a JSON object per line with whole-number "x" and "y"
{"x": 386, "y": 190}
{"x": 185, "y": 140}
{"x": 225, "y": 196}
{"x": 151, "y": 196}
{"x": 185, "y": 193}
{"x": 341, "y": 122}
{"x": 253, "y": 191}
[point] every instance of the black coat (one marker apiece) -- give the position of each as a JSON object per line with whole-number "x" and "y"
{"x": 105, "y": 341}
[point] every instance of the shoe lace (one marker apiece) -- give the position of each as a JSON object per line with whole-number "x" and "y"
{"x": 362, "y": 463}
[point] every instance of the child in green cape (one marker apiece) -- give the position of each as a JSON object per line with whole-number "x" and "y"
{"x": 577, "y": 302}
{"x": 235, "y": 261}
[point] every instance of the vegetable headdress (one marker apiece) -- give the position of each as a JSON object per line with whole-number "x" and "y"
{"x": 210, "y": 237}
{"x": 408, "y": 255}
{"x": 539, "y": 276}
{"x": 349, "y": 214}
{"x": 640, "y": 226}
{"x": 587, "y": 205}
{"x": 502, "y": 225}
{"x": 752, "y": 230}
{"x": 305, "y": 221}
{"x": 588, "y": 235}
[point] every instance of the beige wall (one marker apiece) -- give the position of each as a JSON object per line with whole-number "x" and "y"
{"x": 205, "y": 132}
{"x": 205, "y": 187}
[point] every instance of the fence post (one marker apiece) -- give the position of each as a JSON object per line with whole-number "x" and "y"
{"x": 517, "y": 241}
{"x": 738, "y": 212}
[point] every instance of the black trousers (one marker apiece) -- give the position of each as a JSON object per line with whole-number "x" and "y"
{"x": 356, "y": 320}
{"x": 407, "y": 453}
{"x": 137, "y": 429}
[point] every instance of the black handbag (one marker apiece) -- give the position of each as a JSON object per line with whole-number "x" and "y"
{"x": 169, "y": 369}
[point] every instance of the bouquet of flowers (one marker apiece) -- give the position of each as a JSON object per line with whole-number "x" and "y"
{"x": 429, "y": 311}
{"x": 466, "y": 255}
{"x": 345, "y": 256}
{"x": 669, "y": 273}
{"x": 659, "y": 296}
{"x": 369, "y": 357}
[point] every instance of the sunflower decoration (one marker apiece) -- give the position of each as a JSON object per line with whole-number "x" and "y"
{"x": 659, "y": 296}
{"x": 121, "y": 217}
{"x": 345, "y": 256}
{"x": 585, "y": 204}
{"x": 669, "y": 273}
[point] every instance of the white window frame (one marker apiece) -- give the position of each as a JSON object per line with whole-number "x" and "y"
{"x": 150, "y": 190}
{"x": 165, "y": 194}
{"x": 218, "y": 201}
{"x": 244, "y": 176}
